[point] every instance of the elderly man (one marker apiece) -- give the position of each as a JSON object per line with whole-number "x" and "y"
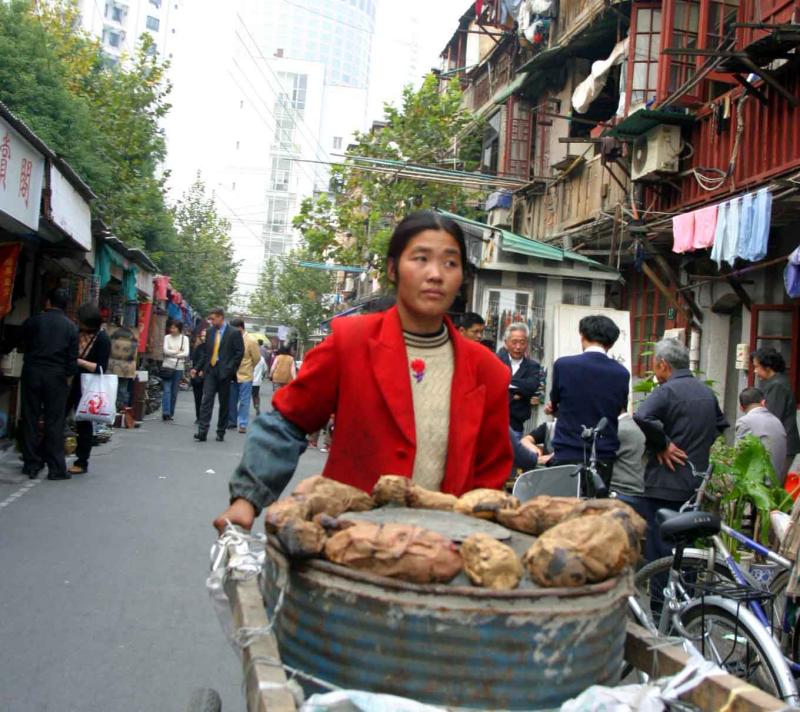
{"x": 681, "y": 419}
{"x": 758, "y": 421}
{"x": 585, "y": 389}
{"x": 523, "y": 392}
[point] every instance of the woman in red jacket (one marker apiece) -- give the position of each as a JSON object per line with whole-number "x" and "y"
{"x": 412, "y": 397}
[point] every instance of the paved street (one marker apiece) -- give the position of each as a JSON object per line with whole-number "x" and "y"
{"x": 102, "y": 578}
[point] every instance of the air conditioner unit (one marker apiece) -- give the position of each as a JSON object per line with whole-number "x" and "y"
{"x": 499, "y": 217}
{"x": 656, "y": 153}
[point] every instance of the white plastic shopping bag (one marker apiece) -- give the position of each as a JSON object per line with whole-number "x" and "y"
{"x": 98, "y": 398}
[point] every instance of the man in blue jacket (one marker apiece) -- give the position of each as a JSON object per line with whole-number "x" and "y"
{"x": 681, "y": 419}
{"x": 585, "y": 389}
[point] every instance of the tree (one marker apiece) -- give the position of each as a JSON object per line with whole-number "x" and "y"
{"x": 354, "y": 228}
{"x": 103, "y": 118}
{"x": 293, "y": 295}
{"x": 202, "y": 267}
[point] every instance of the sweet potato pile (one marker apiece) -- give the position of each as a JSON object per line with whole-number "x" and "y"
{"x": 579, "y": 541}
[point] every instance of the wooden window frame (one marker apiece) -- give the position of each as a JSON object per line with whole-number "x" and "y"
{"x": 793, "y": 367}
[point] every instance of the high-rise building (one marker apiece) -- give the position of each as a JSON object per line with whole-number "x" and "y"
{"x": 119, "y": 24}
{"x": 266, "y": 93}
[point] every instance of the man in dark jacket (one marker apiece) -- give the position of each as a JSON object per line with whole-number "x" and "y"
{"x": 681, "y": 419}
{"x": 223, "y": 354}
{"x": 525, "y": 374}
{"x": 585, "y": 389}
{"x": 50, "y": 344}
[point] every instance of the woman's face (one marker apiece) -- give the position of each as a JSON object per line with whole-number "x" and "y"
{"x": 763, "y": 373}
{"x": 428, "y": 273}
{"x": 174, "y": 330}
{"x": 202, "y": 337}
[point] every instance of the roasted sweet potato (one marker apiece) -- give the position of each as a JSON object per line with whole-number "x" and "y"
{"x": 284, "y": 510}
{"x": 333, "y": 498}
{"x": 537, "y": 515}
{"x": 485, "y": 503}
{"x": 490, "y": 563}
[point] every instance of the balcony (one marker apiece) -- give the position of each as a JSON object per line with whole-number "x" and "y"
{"x": 580, "y": 198}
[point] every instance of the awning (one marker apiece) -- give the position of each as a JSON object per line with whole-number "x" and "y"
{"x": 641, "y": 121}
{"x": 511, "y": 242}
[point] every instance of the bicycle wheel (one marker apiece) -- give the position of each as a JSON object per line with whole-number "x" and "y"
{"x": 727, "y": 640}
{"x": 651, "y": 579}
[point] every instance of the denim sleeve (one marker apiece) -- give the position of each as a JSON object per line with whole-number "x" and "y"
{"x": 271, "y": 452}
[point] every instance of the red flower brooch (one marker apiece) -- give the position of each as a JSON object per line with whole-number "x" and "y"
{"x": 418, "y": 369}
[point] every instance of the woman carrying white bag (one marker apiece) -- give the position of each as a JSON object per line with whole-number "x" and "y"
{"x": 93, "y": 393}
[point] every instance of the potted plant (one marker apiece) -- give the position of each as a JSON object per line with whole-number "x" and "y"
{"x": 744, "y": 480}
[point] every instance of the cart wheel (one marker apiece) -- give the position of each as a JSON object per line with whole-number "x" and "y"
{"x": 204, "y": 699}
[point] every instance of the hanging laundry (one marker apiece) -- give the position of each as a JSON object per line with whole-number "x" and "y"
{"x": 705, "y": 225}
{"x": 683, "y": 232}
{"x": 791, "y": 276}
{"x": 719, "y": 233}
{"x": 160, "y": 286}
{"x": 762, "y": 219}
{"x": 745, "y": 227}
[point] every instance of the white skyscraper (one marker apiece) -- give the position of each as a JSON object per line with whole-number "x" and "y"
{"x": 119, "y": 24}
{"x": 266, "y": 92}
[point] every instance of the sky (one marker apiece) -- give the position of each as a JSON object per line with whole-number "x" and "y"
{"x": 407, "y": 42}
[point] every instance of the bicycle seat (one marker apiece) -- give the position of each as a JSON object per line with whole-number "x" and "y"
{"x": 685, "y": 526}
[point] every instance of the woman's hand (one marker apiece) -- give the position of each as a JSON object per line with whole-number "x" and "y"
{"x": 87, "y": 365}
{"x": 241, "y": 513}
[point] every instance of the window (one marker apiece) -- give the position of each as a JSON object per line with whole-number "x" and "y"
{"x": 491, "y": 145}
{"x": 277, "y": 215}
{"x": 337, "y": 142}
{"x": 113, "y": 39}
{"x": 281, "y": 173}
{"x": 518, "y": 139}
{"x": 773, "y": 325}
{"x": 643, "y": 61}
{"x": 152, "y": 23}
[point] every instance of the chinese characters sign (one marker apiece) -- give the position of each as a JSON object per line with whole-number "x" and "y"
{"x": 9, "y": 255}
{"x": 21, "y": 177}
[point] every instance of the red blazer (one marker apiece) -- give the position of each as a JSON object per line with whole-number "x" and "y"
{"x": 361, "y": 373}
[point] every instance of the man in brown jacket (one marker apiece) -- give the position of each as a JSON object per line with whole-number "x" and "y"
{"x": 242, "y": 385}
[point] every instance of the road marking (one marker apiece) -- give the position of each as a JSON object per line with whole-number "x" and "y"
{"x": 23, "y": 490}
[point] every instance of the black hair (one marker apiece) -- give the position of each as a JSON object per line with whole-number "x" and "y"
{"x": 58, "y": 298}
{"x": 469, "y": 319}
{"x": 749, "y": 396}
{"x": 89, "y": 315}
{"x": 770, "y": 357}
{"x": 175, "y": 322}
{"x": 599, "y": 329}
{"x": 237, "y": 323}
{"x": 415, "y": 223}
{"x": 488, "y": 343}
{"x": 218, "y": 311}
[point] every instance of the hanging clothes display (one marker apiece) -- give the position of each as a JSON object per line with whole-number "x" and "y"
{"x": 791, "y": 275}
{"x": 160, "y": 287}
{"x": 9, "y": 256}
{"x": 145, "y": 312}
{"x": 683, "y": 232}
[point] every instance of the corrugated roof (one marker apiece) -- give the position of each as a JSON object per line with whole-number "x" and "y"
{"x": 512, "y": 242}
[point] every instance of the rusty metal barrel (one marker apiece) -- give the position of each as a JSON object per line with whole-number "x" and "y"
{"x": 451, "y": 645}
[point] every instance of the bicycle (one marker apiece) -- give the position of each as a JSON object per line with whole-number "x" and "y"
{"x": 712, "y": 613}
{"x": 717, "y": 561}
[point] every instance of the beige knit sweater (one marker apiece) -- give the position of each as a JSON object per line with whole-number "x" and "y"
{"x": 430, "y": 361}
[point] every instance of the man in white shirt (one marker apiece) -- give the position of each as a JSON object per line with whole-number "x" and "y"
{"x": 523, "y": 392}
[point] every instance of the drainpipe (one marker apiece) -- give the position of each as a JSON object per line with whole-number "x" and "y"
{"x": 694, "y": 350}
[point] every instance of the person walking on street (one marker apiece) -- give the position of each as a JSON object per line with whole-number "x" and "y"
{"x": 587, "y": 388}
{"x": 680, "y": 419}
{"x": 198, "y": 358}
{"x": 224, "y": 352}
{"x": 770, "y": 367}
{"x": 758, "y": 421}
{"x": 523, "y": 392}
{"x": 242, "y": 384}
{"x": 284, "y": 369}
{"x": 94, "y": 350}
{"x": 50, "y": 344}
{"x": 176, "y": 351}
{"x": 258, "y": 376}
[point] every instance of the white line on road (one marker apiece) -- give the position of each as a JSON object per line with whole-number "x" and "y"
{"x": 24, "y": 489}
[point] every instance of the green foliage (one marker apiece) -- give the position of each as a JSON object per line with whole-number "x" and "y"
{"x": 202, "y": 266}
{"x": 355, "y": 227}
{"x": 743, "y": 474}
{"x": 292, "y": 295}
{"x": 102, "y": 118}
